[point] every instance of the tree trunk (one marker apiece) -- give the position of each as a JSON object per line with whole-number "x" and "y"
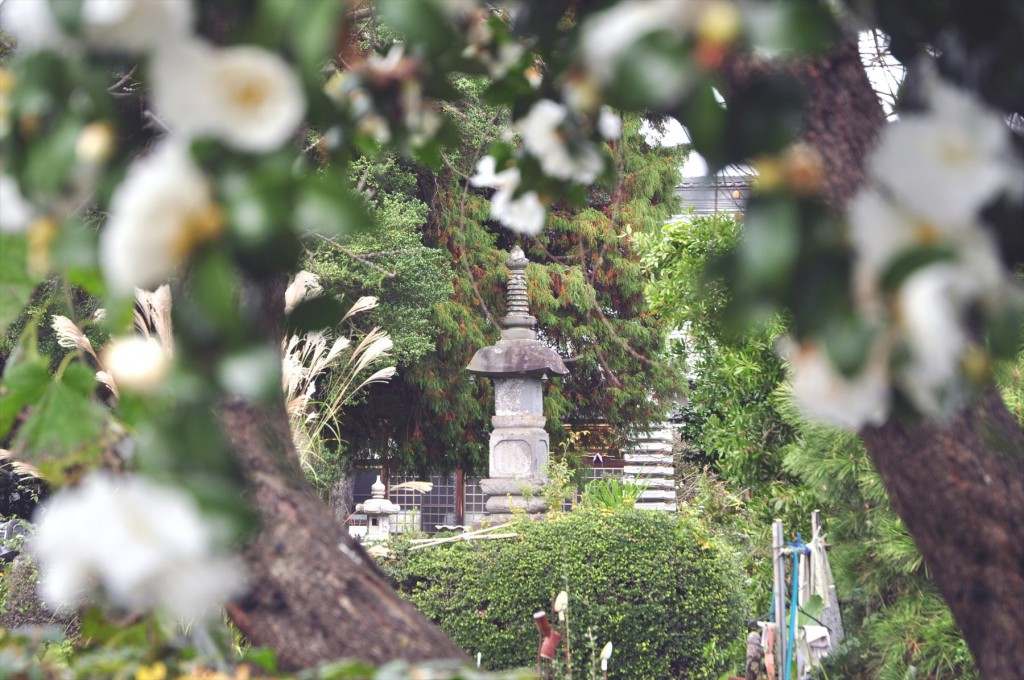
{"x": 342, "y": 497}
{"x": 958, "y": 486}
{"x": 315, "y": 595}
{"x": 960, "y": 490}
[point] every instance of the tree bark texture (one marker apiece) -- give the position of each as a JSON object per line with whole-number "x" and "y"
{"x": 959, "y": 488}
{"x": 959, "y": 485}
{"x": 315, "y": 594}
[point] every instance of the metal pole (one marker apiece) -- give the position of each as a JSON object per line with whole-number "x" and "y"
{"x": 779, "y": 573}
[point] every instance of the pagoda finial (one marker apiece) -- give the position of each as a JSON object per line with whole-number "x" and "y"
{"x": 518, "y": 308}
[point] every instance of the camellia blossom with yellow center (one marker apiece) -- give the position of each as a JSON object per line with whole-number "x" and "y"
{"x": 959, "y": 142}
{"x": 155, "y": 550}
{"x": 159, "y": 214}
{"x": 245, "y": 96}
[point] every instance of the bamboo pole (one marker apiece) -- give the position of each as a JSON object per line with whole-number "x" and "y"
{"x": 779, "y": 577}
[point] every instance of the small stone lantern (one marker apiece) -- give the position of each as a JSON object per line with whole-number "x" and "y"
{"x": 517, "y": 364}
{"x": 378, "y": 511}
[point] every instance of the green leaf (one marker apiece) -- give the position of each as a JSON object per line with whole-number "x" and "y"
{"x": 315, "y": 314}
{"x": 809, "y": 613}
{"x": 312, "y": 33}
{"x": 51, "y": 157}
{"x": 79, "y": 378}
{"x": 910, "y": 261}
{"x": 770, "y": 243}
{"x": 16, "y": 283}
{"x": 68, "y": 14}
{"x": 24, "y": 383}
{"x": 264, "y": 657}
{"x": 421, "y": 21}
{"x": 327, "y": 207}
{"x": 64, "y": 424}
{"x": 97, "y": 628}
{"x": 791, "y": 26}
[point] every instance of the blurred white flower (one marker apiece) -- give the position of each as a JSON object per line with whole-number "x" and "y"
{"x": 607, "y": 35}
{"x": 106, "y": 25}
{"x": 154, "y": 548}
{"x": 136, "y": 363}
{"x": 609, "y": 125}
{"x": 16, "y": 213}
{"x": 33, "y": 25}
{"x": 882, "y": 231}
{"x": 525, "y": 214}
{"x": 246, "y": 96}
{"x": 161, "y": 211}
{"x": 135, "y": 25}
{"x": 930, "y": 308}
{"x": 543, "y": 139}
{"x": 824, "y": 394}
{"x": 947, "y": 163}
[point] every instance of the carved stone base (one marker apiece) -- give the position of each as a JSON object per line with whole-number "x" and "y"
{"x": 506, "y": 504}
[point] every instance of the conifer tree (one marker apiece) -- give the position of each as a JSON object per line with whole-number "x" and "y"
{"x": 586, "y": 288}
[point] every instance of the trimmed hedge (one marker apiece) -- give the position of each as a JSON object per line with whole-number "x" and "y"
{"x": 666, "y": 593}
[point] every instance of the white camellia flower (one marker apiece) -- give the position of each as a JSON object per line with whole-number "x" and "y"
{"x": 881, "y": 231}
{"x": 824, "y": 394}
{"x": 931, "y": 303}
{"x": 135, "y": 25}
{"x": 106, "y": 25}
{"x": 16, "y": 213}
{"x": 161, "y": 211}
{"x": 154, "y": 548}
{"x": 958, "y": 143}
{"x": 606, "y": 36}
{"x": 246, "y": 96}
{"x": 542, "y": 138}
{"x": 33, "y": 26}
{"x": 136, "y": 363}
{"x": 609, "y": 125}
{"x": 525, "y": 214}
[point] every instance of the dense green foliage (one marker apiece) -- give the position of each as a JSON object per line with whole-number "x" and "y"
{"x": 741, "y": 425}
{"x": 586, "y": 289}
{"x": 729, "y": 421}
{"x": 896, "y": 617}
{"x": 659, "y": 587}
{"x": 390, "y": 261}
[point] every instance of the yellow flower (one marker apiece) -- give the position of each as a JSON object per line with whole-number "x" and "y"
{"x": 154, "y": 671}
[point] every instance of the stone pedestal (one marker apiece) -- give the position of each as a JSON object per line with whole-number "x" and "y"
{"x": 518, "y": 448}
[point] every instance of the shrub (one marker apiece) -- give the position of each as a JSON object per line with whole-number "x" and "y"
{"x": 665, "y": 592}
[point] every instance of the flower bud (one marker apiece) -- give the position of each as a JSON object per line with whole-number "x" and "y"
{"x": 137, "y": 364}
{"x": 96, "y": 143}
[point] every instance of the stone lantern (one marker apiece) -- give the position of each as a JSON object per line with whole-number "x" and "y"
{"x": 378, "y": 511}
{"x": 517, "y": 364}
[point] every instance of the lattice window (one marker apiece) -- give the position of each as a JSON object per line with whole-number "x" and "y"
{"x": 435, "y": 508}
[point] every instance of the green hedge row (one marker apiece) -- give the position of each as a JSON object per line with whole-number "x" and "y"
{"x": 665, "y": 592}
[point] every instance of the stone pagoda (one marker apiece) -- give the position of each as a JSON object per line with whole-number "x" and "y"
{"x": 517, "y": 363}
